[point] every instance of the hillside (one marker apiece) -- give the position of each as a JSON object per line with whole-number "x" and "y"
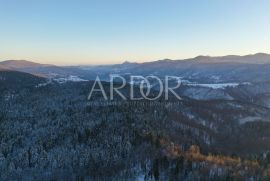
{"x": 2, "y": 67}
{"x": 51, "y": 131}
{"x": 21, "y": 64}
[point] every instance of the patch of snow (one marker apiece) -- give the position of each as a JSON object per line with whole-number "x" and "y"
{"x": 42, "y": 84}
{"x": 9, "y": 96}
{"x": 215, "y": 86}
{"x": 245, "y": 83}
{"x": 219, "y": 85}
{"x": 174, "y": 78}
{"x": 249, "y": 119}
{"x": 70, "y": 78}
{"x": 140, "y": 177}
{"x": 215, "y": 77}
{"x": 114, "y": 75}
{"x": 182, "y": 81}
{"x": 52, "y": 75}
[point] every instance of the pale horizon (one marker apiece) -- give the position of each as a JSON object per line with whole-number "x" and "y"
{"x": 53, "y": 62}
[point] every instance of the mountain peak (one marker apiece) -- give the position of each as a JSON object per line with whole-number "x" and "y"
{"x": 127, "y": 62}
{"x": 202, "y": 57}
{"x": 261, "y": 55}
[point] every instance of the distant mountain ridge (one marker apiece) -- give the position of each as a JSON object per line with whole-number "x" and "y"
{"x": 202, "y": 69}
{"x": 258, "y": 58}
{"x": 252, "y": 58}
{"x": 45, "y": 70}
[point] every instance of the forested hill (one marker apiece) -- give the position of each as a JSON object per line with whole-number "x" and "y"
{"x": 50, "y": 131}
{"x": 14, "y": 80}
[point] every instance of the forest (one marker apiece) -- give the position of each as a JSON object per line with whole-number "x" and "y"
{"x": 52, "y": 132}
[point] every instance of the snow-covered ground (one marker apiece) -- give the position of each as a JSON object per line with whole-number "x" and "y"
{"x": 62, "y": 80}
{"x": 218, "y": 85}
{"x": 249, "y": 119}
{"x": 70, "y": 78}
{"x": 215, "y": 86}
{"x": 43, "y": 84}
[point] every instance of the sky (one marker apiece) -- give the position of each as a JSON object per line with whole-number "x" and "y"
{"x": 80, "y": 32}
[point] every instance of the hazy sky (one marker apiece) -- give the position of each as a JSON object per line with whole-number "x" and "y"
{"x": 68, "y": 32}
